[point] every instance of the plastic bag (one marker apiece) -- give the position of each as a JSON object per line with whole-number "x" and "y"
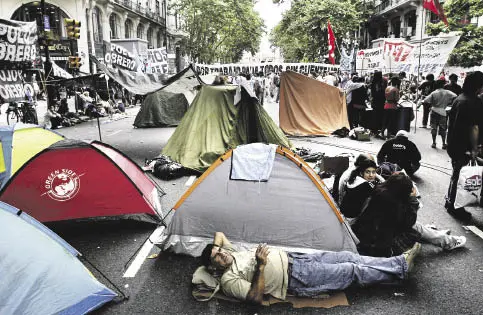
{"x": 468, "y": 190}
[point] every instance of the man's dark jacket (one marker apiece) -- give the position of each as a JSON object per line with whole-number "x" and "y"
{"x": 400, "y": 151}
{"x": 466, "y": 112}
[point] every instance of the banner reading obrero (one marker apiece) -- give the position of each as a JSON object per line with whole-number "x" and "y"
{"x": 119, "y": 57}
{"x": 253, "y": 68}
{"x": 18, "y": 42}
{"x": 12, "y": 86}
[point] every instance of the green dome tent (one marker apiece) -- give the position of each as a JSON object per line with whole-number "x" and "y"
{"x": 220, "y": 118}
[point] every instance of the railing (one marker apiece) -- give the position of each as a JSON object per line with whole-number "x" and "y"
{"x": 388, "y": 4}
{"x": 135, "y": 6}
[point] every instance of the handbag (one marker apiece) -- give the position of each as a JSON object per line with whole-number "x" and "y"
{"x": 468, "y": 189}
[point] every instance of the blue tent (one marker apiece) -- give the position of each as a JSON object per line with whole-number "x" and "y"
{"x": 40, "y": 272}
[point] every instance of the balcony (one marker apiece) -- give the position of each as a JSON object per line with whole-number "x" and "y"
{"x": 136, "y": 7}
{"x": 388, "y": 5}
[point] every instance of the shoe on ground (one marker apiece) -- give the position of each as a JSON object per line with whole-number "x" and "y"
{"x": 458, "y": 242}
{"x": 444, "y": 147}
{"x": 433, "y": 146}
{"x": 459, "y": 213}
{"x": 410, "y": 255}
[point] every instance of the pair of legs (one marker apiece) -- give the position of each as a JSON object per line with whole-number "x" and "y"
{"x": 453, "y": 184}
{"x": 426, "y": 110}
{"x": 389, "y": 122}
{"x": 312, "y": 274}
{"x": 436, "y": 237}
{"x": 438, "y": 125}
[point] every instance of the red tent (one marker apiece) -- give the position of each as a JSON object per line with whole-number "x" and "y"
{"x": 74, "y": 179}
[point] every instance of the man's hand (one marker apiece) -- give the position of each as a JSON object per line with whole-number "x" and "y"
{"x": 262, "y": 254}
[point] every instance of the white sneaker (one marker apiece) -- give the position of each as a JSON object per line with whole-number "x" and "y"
{"x": 458, "y": 241}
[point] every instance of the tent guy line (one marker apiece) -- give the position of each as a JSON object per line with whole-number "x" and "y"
{"x": 143, "y": 254}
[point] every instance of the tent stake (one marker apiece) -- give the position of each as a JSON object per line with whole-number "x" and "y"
{"x": 99, "y": 128}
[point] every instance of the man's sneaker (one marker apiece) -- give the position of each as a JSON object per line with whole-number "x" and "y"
{"x": 458, "y": 241}
{"x": 444, "y": 147}
{"x": 433, "y": 145}
{"x": 409, "y": 256}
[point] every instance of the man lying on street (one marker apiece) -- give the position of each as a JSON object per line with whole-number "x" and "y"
{"x": 249, "y": 275}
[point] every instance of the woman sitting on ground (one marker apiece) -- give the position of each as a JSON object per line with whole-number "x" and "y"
{"x": 362, "y": 181}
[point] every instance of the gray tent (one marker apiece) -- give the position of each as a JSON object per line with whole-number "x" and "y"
{"x": 168, "y": 105}
{"x": 41, "y": 273}
{"x": 292, "y": 210}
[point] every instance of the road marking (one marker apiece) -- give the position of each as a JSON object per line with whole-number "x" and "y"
{"x": 114, "y": 133}
{"x": 142, "y": 254}
{"x": 190, "y": 181}
{"x": 475, "y": 230}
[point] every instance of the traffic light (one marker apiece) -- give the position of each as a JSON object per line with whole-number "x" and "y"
{"x": 73, "y": 28}
{"x": 74, "y": 62}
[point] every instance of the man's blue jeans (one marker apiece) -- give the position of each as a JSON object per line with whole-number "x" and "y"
{"x": 312, "y": 274}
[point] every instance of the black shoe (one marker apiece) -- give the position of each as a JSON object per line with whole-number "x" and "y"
{"x": 459, "y": 213}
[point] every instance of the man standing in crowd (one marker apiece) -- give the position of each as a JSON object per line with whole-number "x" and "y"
{"x": 438, "y": 101}
{"x": 464, "y": 133}
{"x": 402, "y": 152}
{"x": 453, "y": 85}
{"x": 426, "y": 88}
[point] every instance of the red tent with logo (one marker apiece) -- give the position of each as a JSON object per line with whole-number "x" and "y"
{"x": 74, "y": 179}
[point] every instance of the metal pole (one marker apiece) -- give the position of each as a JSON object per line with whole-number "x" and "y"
{"x": 419, "y": 66}
{"x": 48, "y": 64}
{"x": 99, "y": 128}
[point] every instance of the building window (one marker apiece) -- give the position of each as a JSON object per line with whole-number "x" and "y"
{"x": 150, "y": 38}
{"x": 158, "y": 12}
{"x": 163, "y": 9}
{"x": 96, "y": 25}
{"x": 114, "y": 25}
{"x": 140, "y": 31}
{"x": 160, "y": 38}
{"x": 396, "y": 27}
{"x": 409, "y": 24}
{"x": 128, "y": 29}
{"x": 176, "y": 22}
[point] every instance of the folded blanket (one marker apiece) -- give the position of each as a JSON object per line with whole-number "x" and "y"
{"x": 253, "y": 162}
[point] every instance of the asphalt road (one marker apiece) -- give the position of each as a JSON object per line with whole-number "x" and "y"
{"x": 442, "y": 282}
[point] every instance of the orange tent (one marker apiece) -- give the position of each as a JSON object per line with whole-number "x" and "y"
{"x": 309, "y": 107}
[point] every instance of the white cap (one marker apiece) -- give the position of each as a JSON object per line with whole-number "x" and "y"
{"x": 402, "y": 133}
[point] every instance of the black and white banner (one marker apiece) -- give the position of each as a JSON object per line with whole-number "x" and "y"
{"x": 157, "y": 61}
{"x": 119, "y": 57}
{"x": 18, "y": 43}
{"x": 254, "y": 68}
{"x": 12, "y": 86}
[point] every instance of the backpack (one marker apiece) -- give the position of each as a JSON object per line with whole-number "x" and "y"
{"x": 386, "y": 169}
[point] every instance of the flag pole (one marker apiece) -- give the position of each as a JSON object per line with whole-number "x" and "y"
{"x": 419, "y": 66}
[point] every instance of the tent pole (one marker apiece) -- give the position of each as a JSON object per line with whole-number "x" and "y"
{"x": 419, "y": 66}
{"x": 99, "y": 128}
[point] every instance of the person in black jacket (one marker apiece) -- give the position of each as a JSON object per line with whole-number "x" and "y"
{"x": 360, "y": 185}
{"x": 465, "y": 135}
{"x": 402, "y": 152}
{"x": 426, "y": 88}
{"x": 390, "y": 213}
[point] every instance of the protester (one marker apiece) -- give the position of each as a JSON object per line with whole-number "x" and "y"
{"x": 52, "y": 119}
{"x": 390, "y": 108}
{"x": 453, "y": 85}
{"x": 360, "y": 185}
{"x": 465, "y": 119}
{"x": 402, "y": 152}
{"x": 331, "y": 79}
{"x": 352, "y": 84}
{"x": 438, "y": 100}
{"x": 426, "y": 88}
{"x": 249, "y": 275}
{"x": 378, "y": 98}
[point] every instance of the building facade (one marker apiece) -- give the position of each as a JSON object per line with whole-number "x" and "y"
{"x": 101, "y": 20}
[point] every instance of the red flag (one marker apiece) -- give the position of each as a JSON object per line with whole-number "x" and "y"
{"x": 435, "y": 7}
{"x": 331, "y": 44}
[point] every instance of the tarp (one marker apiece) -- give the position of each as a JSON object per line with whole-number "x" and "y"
{"x": 41, "y": 273}
{"x": 214, "y": 124}
{"x": 135, "y": 82}
{"x": 167, "y": 106}
{"x": 73, "y": 179}
{"x": 19, "y": 143}
{"x": 293, "y": 210}
{"x": 309, "y": 107}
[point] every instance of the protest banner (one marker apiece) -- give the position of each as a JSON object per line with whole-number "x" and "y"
{"x": 119, "y": 57}
{"x": 18, "y": 43}
{"x": 265, "y": 68}
{"x": 12, "y": 86}
{"x": 370, "y": 60}
{"x": 157, "y": 61}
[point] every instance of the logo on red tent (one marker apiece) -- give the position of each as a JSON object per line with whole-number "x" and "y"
{"x": 62, "y": 185}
